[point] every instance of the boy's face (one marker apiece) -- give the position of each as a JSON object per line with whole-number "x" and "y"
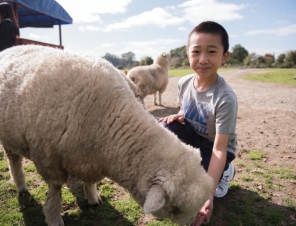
{"x": 205, "y": 53}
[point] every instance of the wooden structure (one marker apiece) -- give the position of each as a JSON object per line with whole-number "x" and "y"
{"x": 39, "y": 14}
{"x": 22, "y": 41}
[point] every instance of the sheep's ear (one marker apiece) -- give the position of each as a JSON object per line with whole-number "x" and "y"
{"x": 155, "y": 199}
{"x": 164, "y": 55}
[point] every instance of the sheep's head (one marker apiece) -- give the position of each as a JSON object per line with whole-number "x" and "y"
{"x": 164, "y": 59}
{"x": 179, "y": 195}
{"x": 133, "y": 88}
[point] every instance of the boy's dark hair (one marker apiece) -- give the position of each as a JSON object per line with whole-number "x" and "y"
{"x": 7, "y": 12}
{"x": 212, "y": 28}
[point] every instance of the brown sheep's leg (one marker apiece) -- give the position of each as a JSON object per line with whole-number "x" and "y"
{"x": 16, "y": 170}
{"x": 53, "y": 207}
{"x": 91, "y": 194}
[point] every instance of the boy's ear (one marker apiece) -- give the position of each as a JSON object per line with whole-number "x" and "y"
{"x": 225, "y": 56}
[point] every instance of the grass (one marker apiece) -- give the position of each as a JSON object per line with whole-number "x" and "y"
{"x": 250, "y": 202}
{"x": 282, "y": 76}
{"x": 255, "y": 155}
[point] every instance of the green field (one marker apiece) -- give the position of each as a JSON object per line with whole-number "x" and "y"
{"x": 182, "y": 72}
{"x": 282, "y": 76}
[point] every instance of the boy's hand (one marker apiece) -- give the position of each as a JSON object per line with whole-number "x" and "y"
{"x": 171, "y": 118}
{"x": 204, "y": 215}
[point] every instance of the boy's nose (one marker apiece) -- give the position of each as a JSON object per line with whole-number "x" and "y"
{"x": 203, "y": 59}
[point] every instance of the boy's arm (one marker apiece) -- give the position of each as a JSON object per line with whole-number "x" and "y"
{"x": 176, "y": 117}
{"x": 215, "y": 170}
{"x": 218, "y": 159}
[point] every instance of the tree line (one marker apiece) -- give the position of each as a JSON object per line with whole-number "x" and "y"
{"x": 239, "y": 56}
{"x": 127, "y": 60}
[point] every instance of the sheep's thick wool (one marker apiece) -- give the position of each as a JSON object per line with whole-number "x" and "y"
{"x": 77, "y": 116}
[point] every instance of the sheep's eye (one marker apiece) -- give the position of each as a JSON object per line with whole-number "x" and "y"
{"x": 176, "y": 210}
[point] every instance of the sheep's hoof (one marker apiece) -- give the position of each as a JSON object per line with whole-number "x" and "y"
{"x": 24, "y": 193}
{"x": 94, "y": 205}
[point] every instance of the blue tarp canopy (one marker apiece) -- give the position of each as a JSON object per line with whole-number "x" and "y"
{"x": 39, "y": 13}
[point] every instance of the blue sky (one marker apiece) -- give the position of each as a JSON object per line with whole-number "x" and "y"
{"x": 147, "y": 28}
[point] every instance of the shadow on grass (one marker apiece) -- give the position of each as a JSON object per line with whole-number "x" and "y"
{"x": 158, "y": 113}
{"x": 31, "y": 210}
{"x": 242, "y": 207}
{"x": 102, "y": 215}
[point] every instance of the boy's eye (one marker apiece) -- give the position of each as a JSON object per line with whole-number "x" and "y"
{"x": 212, "y": 51}
{"x": 195, "y": 51}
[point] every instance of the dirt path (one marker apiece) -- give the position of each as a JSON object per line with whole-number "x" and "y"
{"x": 266, "y": 120}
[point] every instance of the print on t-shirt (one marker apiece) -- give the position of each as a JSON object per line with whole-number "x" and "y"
{"x": 197, "y": 116}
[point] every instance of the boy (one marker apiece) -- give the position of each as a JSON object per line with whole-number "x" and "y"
{"x": 208, "y": 110}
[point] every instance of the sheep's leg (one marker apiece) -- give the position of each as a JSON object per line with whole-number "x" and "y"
{"x": 154, "y": 99}
{"x": 159, "y": 98}
{"x": 16, "y": 170}
{"x": 91, "y": 194}
{"x": 53, "y": 207}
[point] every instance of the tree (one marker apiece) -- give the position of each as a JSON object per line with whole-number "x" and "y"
{"x": 260, "y": 62}
{"x": 176, "y": 62}
{"x": 185, "y": 62}
{"x": 113, "y": 59}
{"x": 249, "y": 60}
{"x": 146, "y": 61}
{"x": 128, "y": 58}
{"x": 281, "y": 58}
{"x": 179, "y": 52}
{"x": 238, "y": 54}
{"x": 269, "y": 59}
{"x": 291, "y": 58}
{"x": 135, "y": 64}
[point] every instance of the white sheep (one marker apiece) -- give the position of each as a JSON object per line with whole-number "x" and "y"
{"x": 77, "y": 117}
{"x": 153, "y": 78}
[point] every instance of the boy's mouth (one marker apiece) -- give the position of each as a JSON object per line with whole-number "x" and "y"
{"x": 203, "y": 68}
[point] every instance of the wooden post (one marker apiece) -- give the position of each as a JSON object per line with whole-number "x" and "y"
{"x": 60, "y": 31}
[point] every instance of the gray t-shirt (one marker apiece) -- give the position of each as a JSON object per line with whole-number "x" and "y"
{"x": 211, "y": 111}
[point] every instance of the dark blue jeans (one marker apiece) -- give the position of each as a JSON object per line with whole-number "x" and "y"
{"x": 187, "y": 134}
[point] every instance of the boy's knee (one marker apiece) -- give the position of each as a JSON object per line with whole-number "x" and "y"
{"x": 162, "y": 123}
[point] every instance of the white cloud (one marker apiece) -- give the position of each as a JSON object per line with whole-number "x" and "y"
{"x": 196, "y": 11}
{"x": 282, "y": 31}
{"x": 182, "y": 29}
{"x": 193, "y": 11}
{"x": 108, "y": 44}
{"x": 89, "y": 28}
{"x": 157, "y": 16}
{"x": 89, "y": 10}
{"x": 154, "y": 42}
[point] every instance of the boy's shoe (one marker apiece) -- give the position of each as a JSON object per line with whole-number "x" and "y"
{"x": 223, "y": 184}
